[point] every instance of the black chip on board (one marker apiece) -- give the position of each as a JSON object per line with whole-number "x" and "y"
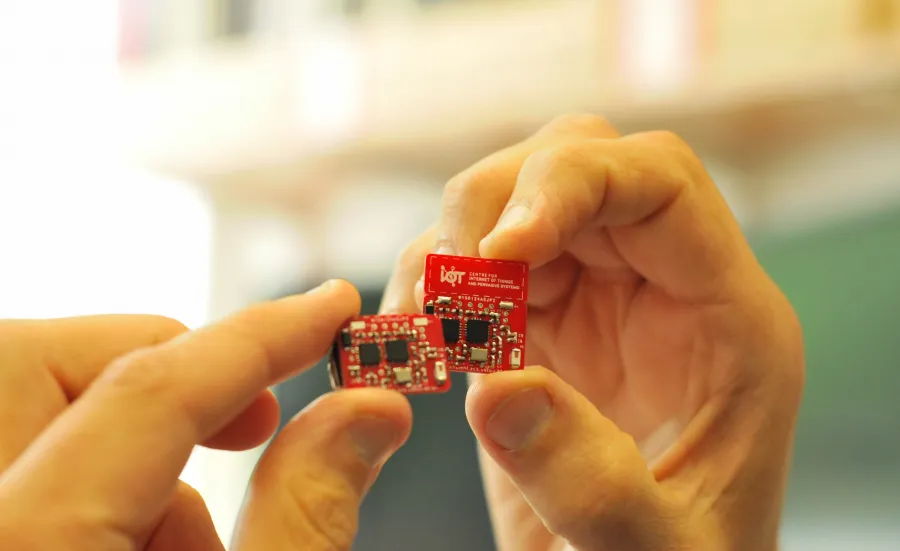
{"x": 451, "y": 329}
{"x": 397, "y": 351}
{"x": 369, "y": 354}
{"x": 345, "y": 338}
{"x": 477, "y": 331}
{"x": 429, "y": 308}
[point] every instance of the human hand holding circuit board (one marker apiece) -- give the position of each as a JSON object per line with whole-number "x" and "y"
{"x": 664, "y": 366}
{"x": 475, "y": 313}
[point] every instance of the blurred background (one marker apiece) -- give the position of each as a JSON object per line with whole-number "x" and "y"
{"x": 188, "y": 157}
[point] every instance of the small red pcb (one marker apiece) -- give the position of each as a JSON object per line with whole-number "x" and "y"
{"x": 483, "y": 311}
{"x": 404, "y": 352}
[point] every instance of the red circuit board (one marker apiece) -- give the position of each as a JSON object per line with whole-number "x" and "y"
{"x": 483, "y": 310}
{"x": 404, "y": 352}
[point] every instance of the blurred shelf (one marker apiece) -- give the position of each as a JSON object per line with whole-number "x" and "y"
{"x": 448, "y": 86}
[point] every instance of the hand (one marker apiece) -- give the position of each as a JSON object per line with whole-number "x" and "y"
{"x": 99, "y": 415}
{"x": 674, "y": 365}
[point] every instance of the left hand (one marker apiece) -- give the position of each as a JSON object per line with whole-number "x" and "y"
{"x": 98, "y": 416}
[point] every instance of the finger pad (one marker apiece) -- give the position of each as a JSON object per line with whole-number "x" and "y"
{"x": 489, "y": 391}
{"x": 535, "y": 242}
{"x": 343, "y": 406}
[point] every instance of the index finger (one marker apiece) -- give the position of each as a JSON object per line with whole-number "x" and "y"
{"x": 646, "y": 194}
{"x": 49, "y": 363}
{"x": 474, "y": 199}
{"x": 114, "y": 457}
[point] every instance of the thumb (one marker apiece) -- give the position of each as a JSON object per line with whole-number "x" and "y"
{"x": 306, "y": 491}
{"x": 582, "y": 476}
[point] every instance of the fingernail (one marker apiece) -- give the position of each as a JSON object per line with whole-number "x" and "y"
{"x": 323, "y": 288}
{"x": 513, "y": 217}
{"x": 445, "y": 246}
{"x": 374, "y": 439}
{"x": 519, "y": 418}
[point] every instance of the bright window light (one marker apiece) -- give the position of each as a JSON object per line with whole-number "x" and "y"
{"x": 79, "y": 234}
{"x": 87, "y": 240}
{"x": 658, "y": 42}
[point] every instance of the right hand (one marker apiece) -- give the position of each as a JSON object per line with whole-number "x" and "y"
{"x": 665, "y": 417}
{"x": 98, "y": 416}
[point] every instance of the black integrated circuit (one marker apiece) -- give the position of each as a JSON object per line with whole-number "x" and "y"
{"x": 477, "y": 331}
{"x": 369, "y": 354}
{"x": 451, "y": 329}
{"x": 397, "y": 351}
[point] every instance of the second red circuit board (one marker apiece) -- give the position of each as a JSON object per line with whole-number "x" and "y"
{"x": 482, "y": 305}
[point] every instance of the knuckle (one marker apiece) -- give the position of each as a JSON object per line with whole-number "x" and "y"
{"x": 544, "y": 164}
{"x": 137, "y": 374}
{"x": 667, "y": 138}
{"x": 680, "y": 151}
{"x": 461, "y": 193}
{"x": 615, "y": 485}
{"x": 465, "y": 185}
{"x": 134, "y": 370}
{"x": 586, "y": 124}
{"x": 607, "y": 512}
{"x": 685, "y": 171}
{"x": 143, "y": 377}
{"x": 575, "y": 518}
{"x": 324, "y": 513}
{"x": 628, "y": 482}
